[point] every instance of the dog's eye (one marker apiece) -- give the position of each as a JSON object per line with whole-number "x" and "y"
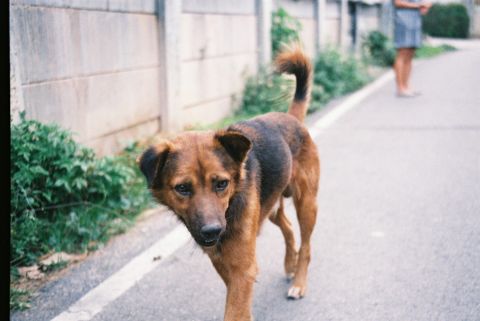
{"x": 221, "y": 185}
{"x": 184, "y": 189}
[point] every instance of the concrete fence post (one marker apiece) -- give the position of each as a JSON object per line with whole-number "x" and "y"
{"x": 343, "y": 24}
{"x": 264, "y": 24}
{"x": 386, "y": 18}
{"x": 357, "y": 34}
{"x": 470, "y": 5}
{"x": 320, "y": 8}
{"x": 169, "y": 24}
{"x": 16, "y": 94}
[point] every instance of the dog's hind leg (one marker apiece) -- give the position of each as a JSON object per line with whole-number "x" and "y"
{"x": 280, "y": 219}
{"x": 305, "y": 186}
{"x": 306, "y": 211}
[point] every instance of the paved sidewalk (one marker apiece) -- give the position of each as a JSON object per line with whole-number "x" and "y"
{"x": 397, "y": 236}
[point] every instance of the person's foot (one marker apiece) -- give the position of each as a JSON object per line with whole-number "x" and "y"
{"x": 408, "y": 94}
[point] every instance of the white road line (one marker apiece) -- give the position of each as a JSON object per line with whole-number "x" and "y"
{"x": 350, "y": 102}
{"x": 94, "y": 301}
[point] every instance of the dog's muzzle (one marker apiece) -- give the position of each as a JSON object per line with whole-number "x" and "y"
{"x": 210, "y": 234}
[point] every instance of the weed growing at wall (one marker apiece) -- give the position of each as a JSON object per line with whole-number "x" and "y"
{"x": 285, "y": 30}
{"x": 63, "y": 198}
{"x": 265, "y": 92}
{"x": 335, "y": 75}
{"x": 378, "y": 49}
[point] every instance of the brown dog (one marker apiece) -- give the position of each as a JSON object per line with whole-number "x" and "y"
{"x": 223, "y": 185}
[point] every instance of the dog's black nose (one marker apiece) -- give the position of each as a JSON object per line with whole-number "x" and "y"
{"x": 211, "y": 232}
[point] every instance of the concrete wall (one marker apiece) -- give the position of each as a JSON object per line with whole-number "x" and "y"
{"x": 303, "y": 10}
{"x": 368, "y": 19}
{"x": 114, "y": 71}
{"x": 91, "y": 66}
{"x": 16, "y": 97}
{"x": 476, "y": 19}
{"x": 473, "y": 7}
{"x": 96, "y": 67}
{"x": 333, "y": 23}
{"x": 218, "y": 50}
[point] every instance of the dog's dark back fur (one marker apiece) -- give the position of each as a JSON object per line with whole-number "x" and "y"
{"x": 276, "y": 139}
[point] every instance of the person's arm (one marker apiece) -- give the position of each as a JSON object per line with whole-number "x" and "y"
{"x": 410, "y": 5}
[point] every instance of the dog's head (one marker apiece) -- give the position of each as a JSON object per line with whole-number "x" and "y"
{"x": 196, "y": 175}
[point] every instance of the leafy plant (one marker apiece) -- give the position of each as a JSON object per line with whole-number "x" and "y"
{"x": 378, "y": 49}
{"x": 265, "y": 92}
{"x": 285, "y": 30}
{"x": 447, "y": 20}
{"x": 63, "y": 198}
{"x": 336, "y": 75}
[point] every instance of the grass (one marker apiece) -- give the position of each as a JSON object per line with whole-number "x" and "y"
{"x": 428, "y": 51}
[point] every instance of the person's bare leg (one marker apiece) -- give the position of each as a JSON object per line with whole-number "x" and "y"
{"x": 399, "y": 67}
{"x": 408, "y": 69}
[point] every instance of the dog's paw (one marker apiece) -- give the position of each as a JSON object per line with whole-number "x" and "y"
{"x": 295, "y": 293}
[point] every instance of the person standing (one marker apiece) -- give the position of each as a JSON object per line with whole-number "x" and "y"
{"x": 407, "y": 37}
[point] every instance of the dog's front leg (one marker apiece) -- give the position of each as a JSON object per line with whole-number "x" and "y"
{"x": 237, "y": 266}
{"x": 239, "y": 297}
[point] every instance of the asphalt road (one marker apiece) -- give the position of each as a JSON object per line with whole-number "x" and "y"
{"x": 398, "y": 229}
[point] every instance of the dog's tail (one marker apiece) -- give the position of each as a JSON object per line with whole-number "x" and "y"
{"x": 294, "y": 61}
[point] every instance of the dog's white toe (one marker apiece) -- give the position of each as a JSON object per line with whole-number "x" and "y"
{"x": 295, "y": 293}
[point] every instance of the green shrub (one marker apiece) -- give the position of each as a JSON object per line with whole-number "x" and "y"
{"x": 378, "y": 49}
{"x": 285, "y": 30}
{"x": 447, "y": 20}
{"x": 336, "y": 75}
{"x": 265, "y": 92}
{"x": 62, "y": 197}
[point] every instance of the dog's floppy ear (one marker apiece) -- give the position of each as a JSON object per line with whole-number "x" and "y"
{"x": 236, "y": 144}
{"x": 151, "y": 162}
